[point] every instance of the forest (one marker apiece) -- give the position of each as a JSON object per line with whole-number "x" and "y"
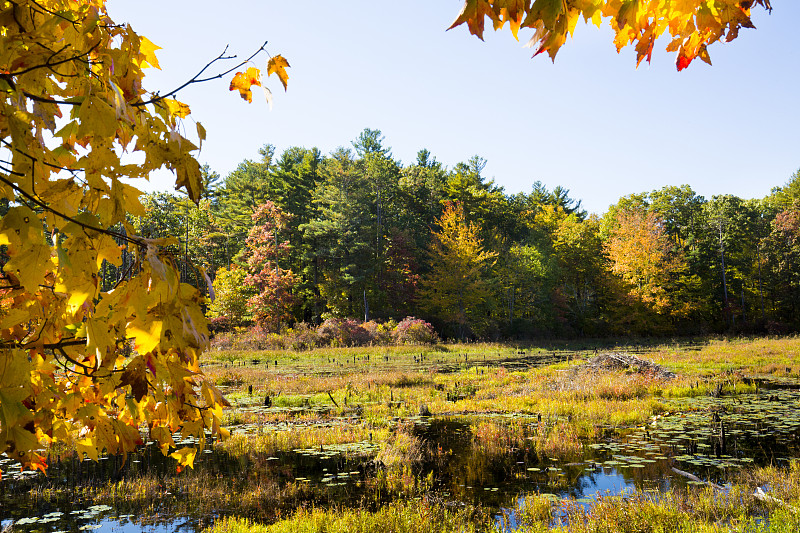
{"x": 301, "y": 237}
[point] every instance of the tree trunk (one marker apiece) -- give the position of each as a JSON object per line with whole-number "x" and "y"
{"x": 760, "y": 286}
{"x": 724, "y": 279}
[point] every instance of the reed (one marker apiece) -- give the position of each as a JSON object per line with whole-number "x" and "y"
{"x": 398, "y": 517}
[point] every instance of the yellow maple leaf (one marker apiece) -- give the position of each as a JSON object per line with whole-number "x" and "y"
{"x": 163, "y": 436}
{"x": 98, "y": 340}
{"x": 147, "y": 335}
{"x": 24, "y": 441}
{"x": 185, "y": 456}
{"x": 108, "y": 250}
{"x": 189, "y": 176}
{"x": 88, "y": 447}
{"x": 98, "y": 118}
{"x": 278, "y": 65}
{"x": 201, "y": 134}
{"x": 147, "y": 53}
{"x": 14, "y": 317}
{"x": 176, "y": 108}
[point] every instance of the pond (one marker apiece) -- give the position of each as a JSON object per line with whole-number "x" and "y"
{"x": 705, "y": 437}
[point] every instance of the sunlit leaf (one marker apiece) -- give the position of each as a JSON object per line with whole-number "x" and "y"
{"x": 278, "y": 65}
{"x": 243, "y": 81}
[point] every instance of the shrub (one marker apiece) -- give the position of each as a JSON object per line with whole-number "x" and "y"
{"x": 219, "y": 324}
{"x": 302, "y": 337}
{"x": 254, "y": 338}
{"x": 343, "y": 332}
{"x": 415, "y": 331}
{"x": 379, "y": 334}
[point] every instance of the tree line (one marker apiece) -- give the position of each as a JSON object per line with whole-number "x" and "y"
{"x": 302, "y": 236}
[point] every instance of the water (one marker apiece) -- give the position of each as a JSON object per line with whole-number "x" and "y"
{"x": 99, "y": 518}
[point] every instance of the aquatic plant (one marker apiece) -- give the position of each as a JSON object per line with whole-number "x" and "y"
{"x": 296, "y": 436}
{"x": 402, "y": 448}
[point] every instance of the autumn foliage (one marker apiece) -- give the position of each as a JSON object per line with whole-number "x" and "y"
{"x": 692, "y": 25}
{"x": 643, "y": 256}
{"x": 457, "y": 289}
{"x": 78, "y": 286}
{"x": 271, "y": 304}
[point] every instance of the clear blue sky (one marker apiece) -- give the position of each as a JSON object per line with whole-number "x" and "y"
{"x": 591, "y": 122}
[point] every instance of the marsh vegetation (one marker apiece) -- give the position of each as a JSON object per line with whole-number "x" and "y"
{"x": 699, "y": 435}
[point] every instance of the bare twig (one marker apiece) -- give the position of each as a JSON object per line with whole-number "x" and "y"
{"x": 197, "y": 79}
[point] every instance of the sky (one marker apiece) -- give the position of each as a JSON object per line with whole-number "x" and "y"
{"x": 591, "y": 122}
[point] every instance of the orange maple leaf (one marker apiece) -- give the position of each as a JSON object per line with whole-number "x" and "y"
{"x": 242, "y": 82}
{"x": 473, "y": 13}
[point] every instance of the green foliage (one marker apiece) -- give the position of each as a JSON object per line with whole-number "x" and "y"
{"x": 788, "y": 194}
{"x": 362, "y": 225}
{"x": 526, "y": 276}
{"x": 579, "y": 249}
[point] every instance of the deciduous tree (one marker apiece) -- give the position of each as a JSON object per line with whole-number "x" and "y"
{"x": 231, "y": 296}
{"x": 692, "y": 25}
{"x": 72, "y": 100}
{"x": 456, "y": 289}
{"x": 647, "y": 262}
{"x": 266, "y": 247}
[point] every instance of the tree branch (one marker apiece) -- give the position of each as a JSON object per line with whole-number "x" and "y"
{"x": 197, "y": 79}
{"x": 46, "y": 207}
{"x": 48, "y": 64}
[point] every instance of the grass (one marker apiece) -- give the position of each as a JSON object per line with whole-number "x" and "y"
{"x": 400, "y": 517}
{"x": 700, "y": 510}
{"x": 704, "y": 510}
{"x": 531, "y": 400}
{"x": 192, "y": 493}
{"x": 382, "y": 383}
{"x": 270, "y": 442}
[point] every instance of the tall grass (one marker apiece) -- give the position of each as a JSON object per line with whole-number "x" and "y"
{"x": 399, "y": 517}
{"x": 699, "y": 510}
{"x": 299, "y": 437}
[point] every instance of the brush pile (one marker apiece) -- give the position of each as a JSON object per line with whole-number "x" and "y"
{"x": 627, "y": 363}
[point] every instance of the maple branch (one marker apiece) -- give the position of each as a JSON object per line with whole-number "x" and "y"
{"x": 55, "y": 14}
{"x": 49, "y": 100}
{"x": 197, "y": 79}
{"x": 48, "y": 64}
{"x": 46, "y": 207}
{"x": 59, "y": 346}
{"x": 55, "y": 347}
{"x": 201, "y": 409}
{"x": 124, "y": 275}
{"x": 72, "y": 171}
{"x": 87, "y": 370}
{"x": 65, "y": 343}
{"x": 9, "y": 171}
